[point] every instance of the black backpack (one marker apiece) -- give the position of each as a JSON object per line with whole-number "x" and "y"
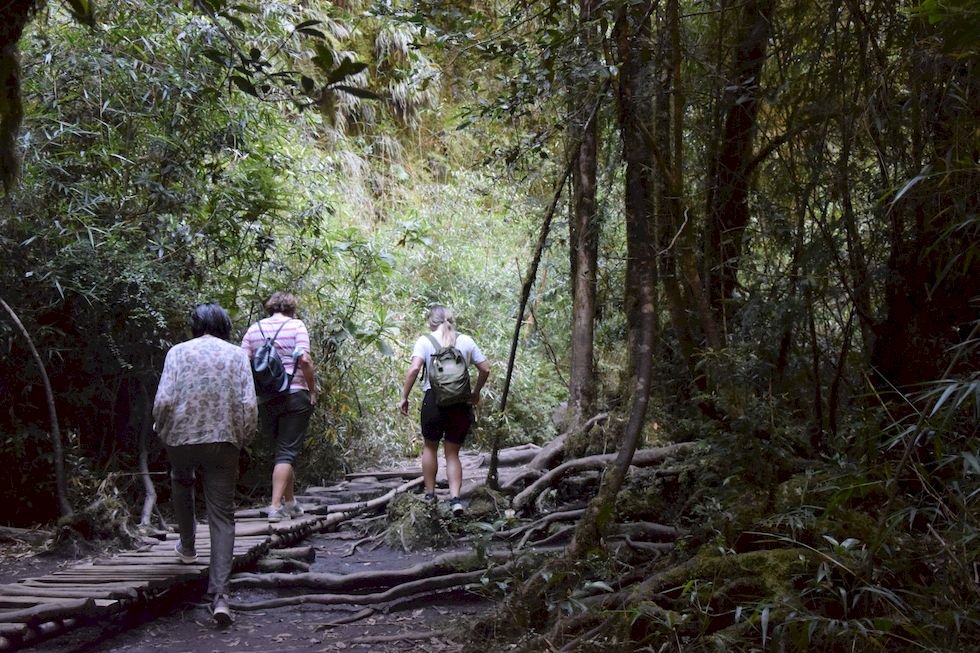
{"x": 268, "y": 372}
{"x": 449, "y": 377}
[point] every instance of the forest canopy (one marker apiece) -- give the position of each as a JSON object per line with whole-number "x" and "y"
{"x": 752, "y": 226}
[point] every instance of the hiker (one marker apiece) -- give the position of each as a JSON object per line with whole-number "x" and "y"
{"x": 453, "y": 421}
{"x": 285, "y": 416}
{"x": 205, "y": 412}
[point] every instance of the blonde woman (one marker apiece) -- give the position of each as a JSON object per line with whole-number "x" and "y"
{"x": 451, "y": 423}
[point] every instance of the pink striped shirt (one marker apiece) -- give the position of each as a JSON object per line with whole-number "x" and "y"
{"x": 293, "y": 338}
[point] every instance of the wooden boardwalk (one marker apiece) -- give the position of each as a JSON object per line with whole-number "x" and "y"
{"x": 104, "y": 589}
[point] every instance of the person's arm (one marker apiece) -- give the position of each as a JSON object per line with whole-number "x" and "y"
{"x": 163, "y": 403}
{"x": 410, "y": 376}
{"x": 305, "y": 365}
{"x": 249, "y": 405}
{"x": 483, "y": 373}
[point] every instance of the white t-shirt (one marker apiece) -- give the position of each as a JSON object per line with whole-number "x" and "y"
{"x": 465, "y": 345}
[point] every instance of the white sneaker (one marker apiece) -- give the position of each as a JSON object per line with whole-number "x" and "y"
{"x": 294, "y": 509}
{"x": 277, "y": 514}
{"x": 220, "y": 611}
{"x": 185, "y": 557}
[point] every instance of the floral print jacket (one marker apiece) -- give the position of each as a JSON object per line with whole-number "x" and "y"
{"x": 205, "y": 394}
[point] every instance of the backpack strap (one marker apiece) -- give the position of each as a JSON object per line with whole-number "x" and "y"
{"x": 294, "y": 355}
{"x": 259, "y": 324}
{"x": 435, "y": 343}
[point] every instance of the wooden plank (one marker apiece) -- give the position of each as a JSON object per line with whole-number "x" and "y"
{"x": 156, "y": 561}
{"x": 41, "y": 583}
{"x": 49, "y": 612}
{"x": 27, "y": 601}
{"x": 56, "y": 591}
{"x": 389, "y": 474}
{"x": 17, "y": 630}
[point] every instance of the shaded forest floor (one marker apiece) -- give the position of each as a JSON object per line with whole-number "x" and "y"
{"x": 186, "y": 627}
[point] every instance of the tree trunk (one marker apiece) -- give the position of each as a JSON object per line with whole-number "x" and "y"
{"x": 635, "y": 96}
{"x": 600, "y": 511}
{"x": 58, "y": 453}
{"x": 728, "y": 174}
{"x": 934, "y": 262}
{"x": 14, "y": 16}
{"x": 583, "y": 234}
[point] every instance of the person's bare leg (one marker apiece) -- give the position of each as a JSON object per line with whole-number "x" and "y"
{"x": 430, "y": 465}
{"x": 287, "y": 493}
{"x": 454, "y": 469}
{"x": 282, "y": 479}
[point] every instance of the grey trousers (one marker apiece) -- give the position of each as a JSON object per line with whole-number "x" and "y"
{"x": 218, "y": 464}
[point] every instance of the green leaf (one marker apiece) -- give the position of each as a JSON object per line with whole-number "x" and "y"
{"x": 216, "y": 56}
{"x": 234, "y": 20}
{"x": 245, "y": 85}
{"x": 309, "y": 31}
{"x": 82, "y": 11}
{"x": 358, "y": 92}
{"x": 385, "y": 348}
{"x": 323, "y": 58}
{"x": 307, "y": 23}
{"x": 346, "y": 68}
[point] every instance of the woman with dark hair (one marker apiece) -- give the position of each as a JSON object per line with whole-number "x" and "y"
{"x": 285, "y": 417}
{"x": 451, "y": 422}
{"x": 204, "y": 413}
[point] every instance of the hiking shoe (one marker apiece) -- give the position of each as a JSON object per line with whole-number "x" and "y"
{"x": 429, "y": 498}
{"x": 188, "y": 558}
{"x": 220, "y": 611}
{"x": 293, "y": 509}
{"x": 277, "y": 513}
{"x": 456, "y": 506}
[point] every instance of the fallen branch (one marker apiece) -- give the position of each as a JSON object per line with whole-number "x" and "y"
{"x": 646, "y": 530}
{"x": 544, "y": 521}
{"x": 363, "y": 540}
{"x": 400, "y": 637}
{"x": 448, "y": 562}
{"x": 284, "y": 565}
{"x": 547, "y": 456}
{"x": 351, "y": 509}
{"x": 571, "y": 514}
{"x": 357, "y": 616}
{"x": 640, "y": 458}
{"x": 551, "y": 539}
{"x": 304, "y": 553}
{"x": 423, "y": 586}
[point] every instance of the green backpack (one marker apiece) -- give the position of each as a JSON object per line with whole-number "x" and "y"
{"x": 449, "y": 377}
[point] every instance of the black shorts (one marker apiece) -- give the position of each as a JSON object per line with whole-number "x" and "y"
{"x": 286, "y": 418}
{"x": 450, "y": 422}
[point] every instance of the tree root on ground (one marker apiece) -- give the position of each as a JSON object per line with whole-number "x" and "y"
{"x": 413, "y": 588}
{"x": 547, "y": 456}
{"x": 643, "y": 457}
{"x": 382, "y": 579}
{"x": 349, "y": 619}
{"x": 399, "y": 585}
{"x": 376, "y": 539}
{"x": 398, "y": 637}
{"x": 286, "y": 565}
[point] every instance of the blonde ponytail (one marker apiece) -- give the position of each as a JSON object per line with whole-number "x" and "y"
{"x": 441, "y": 321}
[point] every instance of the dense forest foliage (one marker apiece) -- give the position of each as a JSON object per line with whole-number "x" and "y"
{"x": 747, "y": 225}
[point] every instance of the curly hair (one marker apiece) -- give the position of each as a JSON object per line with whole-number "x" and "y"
{"x": 281, "y": 302}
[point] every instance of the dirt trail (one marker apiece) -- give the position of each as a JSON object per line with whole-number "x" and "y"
{"x": 188, "y": 628}
{"x": 178, "y": 625}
